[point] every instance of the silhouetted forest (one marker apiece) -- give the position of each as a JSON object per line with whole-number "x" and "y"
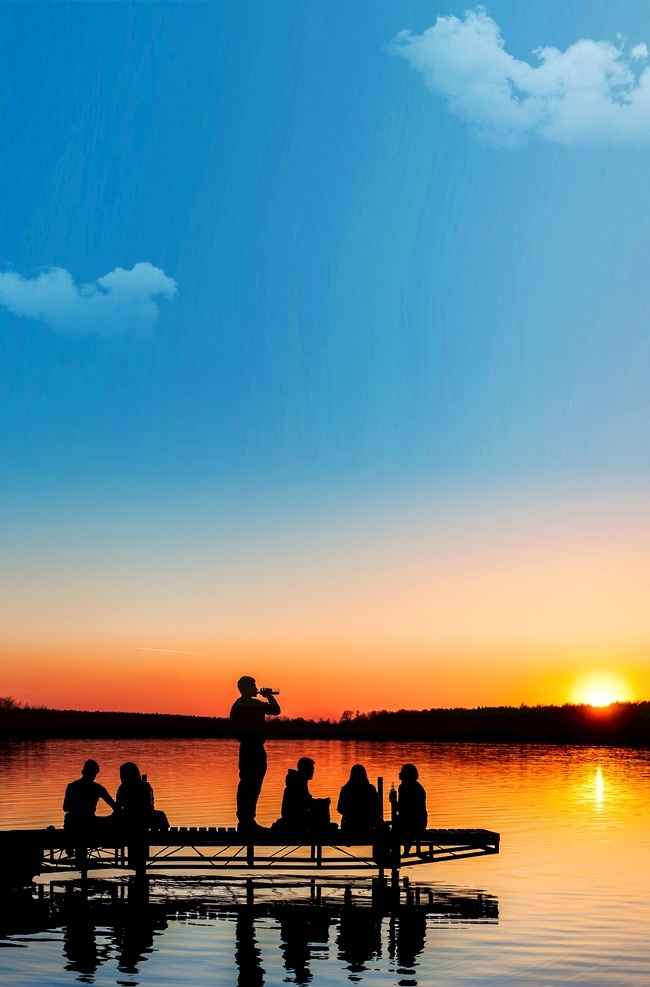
{"x": 618, "y": 724}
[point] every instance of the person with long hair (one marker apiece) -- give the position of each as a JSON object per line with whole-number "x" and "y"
{"x": 359, "y": 802}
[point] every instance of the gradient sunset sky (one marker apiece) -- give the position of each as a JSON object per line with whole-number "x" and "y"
{"x": 325, "y": 353}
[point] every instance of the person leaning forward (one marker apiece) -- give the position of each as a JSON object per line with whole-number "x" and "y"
{"x": 248, "y": 717}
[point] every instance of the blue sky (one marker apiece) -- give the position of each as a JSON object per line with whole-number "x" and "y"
{"x": 355, "y": 268}
{"x": 362, "y": 284}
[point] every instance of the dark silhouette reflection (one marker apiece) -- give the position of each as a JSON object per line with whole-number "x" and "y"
{"x": 134, "y": 930}
{"x": 302, "y": 930}
{"x": 359, "y": 938}
{"x": 104, "y": 921}
{"x": 128, "y": 928}
{"x": 247, "y": 952}
{"x": 80, "y": 947}
{"x": 406, "y": 940}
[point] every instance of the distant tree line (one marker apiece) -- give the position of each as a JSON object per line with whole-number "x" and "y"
{"x": 618, "y": 724}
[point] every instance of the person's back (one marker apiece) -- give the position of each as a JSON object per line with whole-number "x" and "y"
{"x": 411, "y": 804}
{"x": 359, "y": 802}
{"x": 135, "y": 799}
{"x": 81, "y": 796}
{"x": 296, "y": 800}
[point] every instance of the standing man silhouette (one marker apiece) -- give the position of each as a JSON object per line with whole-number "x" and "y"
{"x": 248, "y": 718}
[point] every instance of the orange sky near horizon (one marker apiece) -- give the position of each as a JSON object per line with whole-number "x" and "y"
{"x": 334, "y": 679}
{"x": 415, "y": 602}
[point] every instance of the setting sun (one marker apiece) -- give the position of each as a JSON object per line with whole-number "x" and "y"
{"x": 601, "y": 690}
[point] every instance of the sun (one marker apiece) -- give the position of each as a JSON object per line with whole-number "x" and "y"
{"x": 601, "y": 689}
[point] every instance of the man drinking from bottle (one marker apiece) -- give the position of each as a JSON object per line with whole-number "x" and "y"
{"x": 248, "y": 717}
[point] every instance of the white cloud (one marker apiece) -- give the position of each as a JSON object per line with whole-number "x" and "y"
{"x": 119, "y": 302}
{"x": 594, "y": 92}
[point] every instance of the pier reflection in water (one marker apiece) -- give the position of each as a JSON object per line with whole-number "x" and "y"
{"x": 109, "y": 930}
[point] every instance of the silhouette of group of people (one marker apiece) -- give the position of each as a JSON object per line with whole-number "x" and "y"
{"x": 358, "y": 803}
{"x": 134, "y": 812}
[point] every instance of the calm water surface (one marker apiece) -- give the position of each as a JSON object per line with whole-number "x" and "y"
{"x": 571, "y": 881}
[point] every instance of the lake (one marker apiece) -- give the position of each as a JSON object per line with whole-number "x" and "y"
{"x": 565, "y": 902}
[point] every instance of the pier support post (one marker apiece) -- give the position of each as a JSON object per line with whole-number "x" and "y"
{"x": 138, "y": 854}
{"x": 81, "y": 861}
{"x": 395, "y": 863}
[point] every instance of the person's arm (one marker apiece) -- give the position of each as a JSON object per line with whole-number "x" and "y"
{"x": 271, "y": 704}
{"x": 66, "y": 803}
{"x": 110, "y": 801}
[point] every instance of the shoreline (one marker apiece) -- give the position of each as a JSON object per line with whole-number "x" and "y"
{"x": 621, "y": 724}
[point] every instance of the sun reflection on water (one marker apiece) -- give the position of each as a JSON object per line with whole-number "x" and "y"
{"x": 599, "y": 789}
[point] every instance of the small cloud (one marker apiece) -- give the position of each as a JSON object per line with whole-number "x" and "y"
{"x": 117, "y": 303}
{"x": 591, "y": 93}
{"x": 640, "y": 51}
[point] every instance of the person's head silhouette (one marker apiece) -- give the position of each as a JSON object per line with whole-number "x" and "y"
{"x": 129, "y": 772}
{"x": 247, "y": 686}
{"x": 306, "y": 767}
{"x": 359, "y": 775}
{"x": 408, "y": 773}
{"x": 90, "y": 769}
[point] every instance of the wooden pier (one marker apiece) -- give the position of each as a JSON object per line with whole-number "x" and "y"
{"x": 212, "y": 849}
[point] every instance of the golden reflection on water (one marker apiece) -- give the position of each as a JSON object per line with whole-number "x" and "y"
{"x": 599, "y": 789}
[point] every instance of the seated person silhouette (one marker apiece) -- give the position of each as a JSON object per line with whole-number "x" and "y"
{"x": 409, "y": 804}
{"x": 301, "y": 812}
{"x": 135, "y": 814}
{"x": 80, "y": 803}
{"x": 135, "y": 801}
{"x": 359, "y": 803}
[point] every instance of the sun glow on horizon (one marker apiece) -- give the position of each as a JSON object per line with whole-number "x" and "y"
{"x": 601, "y": 689}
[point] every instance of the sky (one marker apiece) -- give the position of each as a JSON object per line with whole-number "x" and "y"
{"x": 324, "y": 353}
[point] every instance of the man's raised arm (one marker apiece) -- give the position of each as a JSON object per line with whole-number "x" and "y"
{"x": 273, "y": 708}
